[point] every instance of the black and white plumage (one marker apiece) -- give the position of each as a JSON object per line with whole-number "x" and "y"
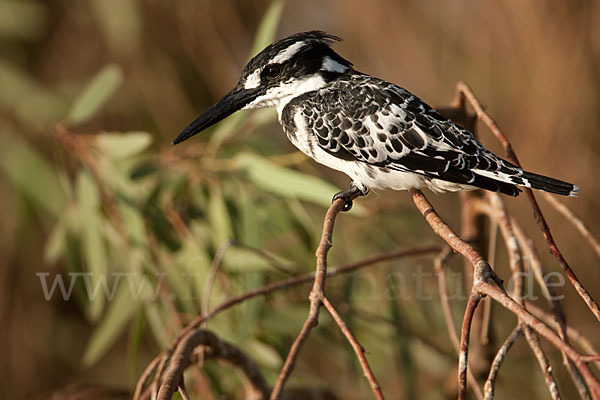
{"x": 377, "y": 133}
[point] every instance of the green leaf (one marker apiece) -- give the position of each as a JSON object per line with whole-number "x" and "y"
{"x": 264, "y": 36}
{"x": 245, "y": 260}
{"x": 32, "y": 103}
{"x": 120, "y": 310}
{"x": 93, "y": 246}
{"x": 96, "y": 93}
{"x": 263, "y": 354}
{"x": 268, "y": 26}
{"x": 32, "y": 175}
{"x": 56, "y": 245}
{"x": 22, "y": 19}
{"x": 87, "y": 194}
{"x": 218, "y": 217}
{"x": 286, "y": 182}
{"x": 121, "y": 145}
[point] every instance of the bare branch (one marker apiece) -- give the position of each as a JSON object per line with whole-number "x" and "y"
{"x": 545, "y": 331}
{"x": 486, "y": 119}
{"x": 517, "y": 267}
{"x": 447, "y": 311}
{"x": 215, "y": 348}
{"x": 474, "y": 300}
{"x": 576, "y": 221}
{"x": 358, "y": 349}
{"x": 316, "y": 295}
{"x": 490, "y": 383}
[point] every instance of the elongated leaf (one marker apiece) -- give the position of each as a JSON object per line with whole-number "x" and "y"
{"x": 264, "y": 36}
{"x": 240, "y": 259}
{"x": 94, "y": 247}
{"x": 263, "y": 354}
{"x": 97, "y": 92}
{"x": 121, "y": 145}
{"x": 218, "y": 217}
{"x": 56, "y": 244}
{"x": 26, "y": 97}
{"x": 22, "y": 19}
{"x": 268, "y": 26}
{"x": 120, "y": 310}
{"x": 286, "y": 182}
{"x": 32, "y": 175}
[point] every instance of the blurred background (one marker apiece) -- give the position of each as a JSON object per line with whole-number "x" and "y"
{"x": 92, "y": 93}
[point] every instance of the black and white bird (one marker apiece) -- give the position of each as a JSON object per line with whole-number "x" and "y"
{"x": 377, "y": 133}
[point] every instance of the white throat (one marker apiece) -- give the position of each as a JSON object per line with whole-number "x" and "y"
{"x": 281, "y": 95}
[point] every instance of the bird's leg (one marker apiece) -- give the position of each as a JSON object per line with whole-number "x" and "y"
{"x": 347, "y": 195}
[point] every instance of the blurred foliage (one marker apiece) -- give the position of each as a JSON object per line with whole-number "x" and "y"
{"x": 92, "y": 92}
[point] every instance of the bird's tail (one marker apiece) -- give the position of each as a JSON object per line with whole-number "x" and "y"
{"x": 551, "y": 185}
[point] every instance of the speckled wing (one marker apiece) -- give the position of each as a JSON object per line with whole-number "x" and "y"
{"x": 375, "y": 122}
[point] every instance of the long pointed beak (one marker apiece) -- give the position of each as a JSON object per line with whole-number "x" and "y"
{"x": 230, "y": 103}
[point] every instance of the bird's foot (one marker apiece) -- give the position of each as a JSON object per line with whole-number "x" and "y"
{"x": 348, "y": 194}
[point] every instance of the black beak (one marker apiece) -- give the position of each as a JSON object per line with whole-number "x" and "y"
{"x": 230, "y": 103}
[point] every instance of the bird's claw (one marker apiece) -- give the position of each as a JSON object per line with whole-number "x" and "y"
{"x": 347, "y": 195}
{"x": 347, "y": 201}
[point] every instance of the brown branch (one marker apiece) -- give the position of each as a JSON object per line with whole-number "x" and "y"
{"x": 517, "y": 240}
{"x": 482, "y": 271}
{"x": 554, "y": 250}
{"x": 545, "y": 331}
{"x": 358, "y": 349}
{"x": 447, "y": 311}
{"x": 573, "y": 334}
{"x": 214, "y": 348}
{"x": 448, "y": 235}
{"x": 271, "y": 288}
{"x": 516, "y": 265}
{"x": 482, "y": 286}
{"x": 257, "y": 385}
{"x": 143, "y": 379}
{"x": 316, "y": 295}
{"x": 78, "y": 145}
{"x": 490, "y": 383}
{"x": 445, "y": 296}
{"x": 474, "y": 300}
{"x": 214, "y": 268}
{"x": 576, "y": 221}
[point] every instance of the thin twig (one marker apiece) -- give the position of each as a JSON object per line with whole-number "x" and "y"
{"x": 216, "y": 348}
{"x": 516, "y": 239}
{"x": 274, "y": 287}
{"x": 516, "y": 265}
{"x": 486, "y": 119}
{"x": 447, "y": 311}
{"x": 575, "y": 220}
{"x": 227, "y": 352}
{"x": 573, "y": 334}
{"x": 490, "y": 383}
{"x": 474, "y": 300}
{"x": 445, "y": 296}
{"x": 316, "y": 295}
{"x": 358, "y": 349}
{"x": 143, "y": 379}
{"x": 481, "y": 271}
{"x": 501, "y": 297}
{"x": 214, "y": 267}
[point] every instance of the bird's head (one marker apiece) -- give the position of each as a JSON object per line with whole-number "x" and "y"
{"x": 300, "y": 63}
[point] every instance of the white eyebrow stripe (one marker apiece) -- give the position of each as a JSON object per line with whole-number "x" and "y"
{"x": 287, "y": 53}
{"x": 253, "y": 80}
{"x": 329, "y": 64}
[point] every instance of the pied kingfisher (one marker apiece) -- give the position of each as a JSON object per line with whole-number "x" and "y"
{"x": 377, "y": 133}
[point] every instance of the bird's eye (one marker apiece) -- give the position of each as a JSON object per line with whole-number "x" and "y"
{"x": 271, "y": 71}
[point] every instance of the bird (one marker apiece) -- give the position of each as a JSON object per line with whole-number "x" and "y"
{"x": 379, "y": 134}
